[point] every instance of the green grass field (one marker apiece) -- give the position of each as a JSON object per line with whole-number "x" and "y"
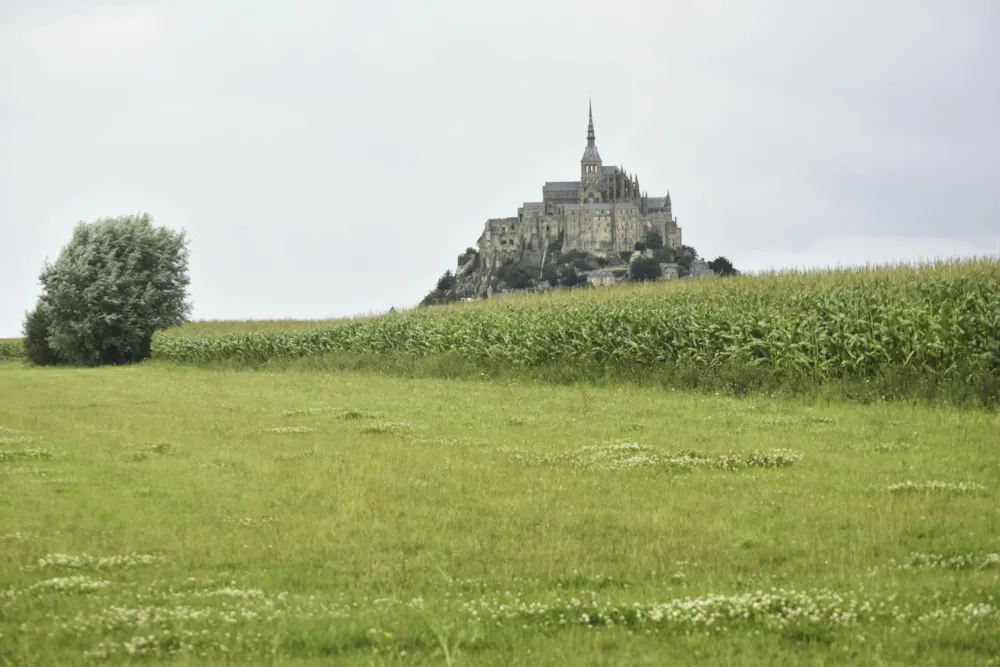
{"x": 258, "y": 518}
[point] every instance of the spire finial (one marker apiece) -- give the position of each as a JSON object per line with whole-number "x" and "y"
{"x": 590, "y": 123}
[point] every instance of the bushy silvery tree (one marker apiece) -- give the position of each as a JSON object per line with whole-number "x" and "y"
{"x": 116, "y": 282}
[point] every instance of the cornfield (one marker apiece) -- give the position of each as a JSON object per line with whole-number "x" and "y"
{"x": 940, "y": 318}
{"x": 11, "y": 348}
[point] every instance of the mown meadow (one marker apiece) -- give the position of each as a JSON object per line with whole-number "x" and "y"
{"x": 524, "y": 481}
{"x": 250, "y": 517}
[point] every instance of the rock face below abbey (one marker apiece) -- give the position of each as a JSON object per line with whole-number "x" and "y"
{"x": 604, "y": 215}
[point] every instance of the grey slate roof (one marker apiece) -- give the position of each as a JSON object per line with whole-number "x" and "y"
{"x": 561, "y": 185}
{"x": 609, "y": 170}
{"x": 598, "y": 207}
{"x": 657, "y": 202}
{"x": 590, "y": 154}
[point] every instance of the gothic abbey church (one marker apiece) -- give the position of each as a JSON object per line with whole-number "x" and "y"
{"x": 603, "y": 213}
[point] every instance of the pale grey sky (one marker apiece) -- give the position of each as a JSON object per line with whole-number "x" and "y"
{"x": 333, "y": 158}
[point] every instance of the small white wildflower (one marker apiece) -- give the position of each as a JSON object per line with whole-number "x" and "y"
{"x": 96, "y": 562}
{"x": 77, "y": 584}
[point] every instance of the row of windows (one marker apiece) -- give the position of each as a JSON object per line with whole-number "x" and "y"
{"x": 503, "y": 230}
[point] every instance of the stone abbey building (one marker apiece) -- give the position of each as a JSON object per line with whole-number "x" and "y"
{"x": 605, "y": 212}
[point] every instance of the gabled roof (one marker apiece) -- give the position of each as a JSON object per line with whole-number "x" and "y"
{"x": 561, "y": 185}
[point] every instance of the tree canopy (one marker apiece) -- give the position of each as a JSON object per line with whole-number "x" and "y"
{"x": 116, "y": 282}
{"x": 446, "y": 281}
{"x": 645, "y": 268}
{"x": 723, "y": 267}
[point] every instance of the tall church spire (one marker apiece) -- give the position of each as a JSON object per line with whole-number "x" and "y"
{"x": 591, "y": 174}
{"x": 590, "y": 124}
{"x": 590, "y": 154}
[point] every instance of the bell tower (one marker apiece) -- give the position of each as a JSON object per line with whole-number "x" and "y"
{"x": 591, "y": 177}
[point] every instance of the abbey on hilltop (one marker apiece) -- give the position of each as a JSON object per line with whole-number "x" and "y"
{"x": 589, "y": 231}
{"x": 606, "y": 211}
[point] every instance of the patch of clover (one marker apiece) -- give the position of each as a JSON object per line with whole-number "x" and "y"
{"x": 10, "y": 436}
{"x": 68, "y": 585}
{"x": 350, "y": 413}
{"x": 141, "y": 452}
{"x": 25, "y": 470}
{"x": 458, "y": 442}
{"x": 250, "y": 522}
{"x": 893, "y": 447}
{"x": 86, "y": 561}
{"x": 775, "y": 609}
{"x": 358, "y": 414}
{"x": 24, "y": 455}
{"x": 19, "y": 537}
{"x": 209, "y": 619}
{"x": 301, "y": 412}
{"x": 879, "y": 447}
{"x": 934, "y": 486}
{"x": 385, "y": 427}
{"x": 218, "y": 464}
{"x": 968, "y": 561}
{"x": 628, "y": 455}
{"x": 298, "y": 456}
{"x": 789, "y": 420}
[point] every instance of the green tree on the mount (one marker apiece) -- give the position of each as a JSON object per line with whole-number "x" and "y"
{"x": 446, "y": 281}
{"x": 515, "y": 276}
{"x": 644, "y": 269}
{"x": 723, "y": 267}
{"x": 683, "y": 257}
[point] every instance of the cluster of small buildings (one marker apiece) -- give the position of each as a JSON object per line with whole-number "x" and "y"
{"x": 668, "y": 271}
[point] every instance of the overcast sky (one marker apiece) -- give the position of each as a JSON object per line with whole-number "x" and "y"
{"x": 334, "y": 158}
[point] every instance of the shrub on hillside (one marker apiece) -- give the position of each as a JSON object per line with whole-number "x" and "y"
{"x": 645, "y": 268}
{"x": 446, "y": 282}
{"x": 515, "y": 276}
{"x": 684, "y": 257}
{"x": 571, "y": 278}
{"x": 665, "y": 255}
{"x": 550, "y": 274}
{"x": 116, "y": 282}
{"x": 723, "y": 267}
